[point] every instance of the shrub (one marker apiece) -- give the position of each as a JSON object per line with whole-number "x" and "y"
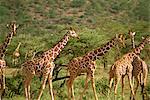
{"x": 102, "y": 86}
{"x": 77, "y": 3}
{"x": 13, "y": 86}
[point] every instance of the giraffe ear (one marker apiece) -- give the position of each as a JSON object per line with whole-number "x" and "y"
{"x": 7, "y": 25}
{"x": 71, "y": 28}
{"x": 134, "y": 33}
{"x": 116, "y": 35}
{"x": 143, "y": 37}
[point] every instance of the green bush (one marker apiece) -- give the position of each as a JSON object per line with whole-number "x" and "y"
{"x": 102, "y": 86}
{"x": 52, "y": 13}
{"x": 14, "y": 86}
{"x": 148, "y": 88}
{"x": 77, "y": 3}
{"x": 142, "y": 10}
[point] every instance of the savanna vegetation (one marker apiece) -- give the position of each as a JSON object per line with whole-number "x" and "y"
{"x": 96, "y": 21}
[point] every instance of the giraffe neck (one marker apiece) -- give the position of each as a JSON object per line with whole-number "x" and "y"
{"x": 96, "y": 54}
{"x": 17, "y": 49}
{"x": 132, "y": 41}
{"x": 139, "y": 48}
{"x": 5, "y": 44}
{"x": 59, "y": 46}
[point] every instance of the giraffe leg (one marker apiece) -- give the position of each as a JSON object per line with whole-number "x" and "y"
{"x": 137, "y": 84}
{"x": 85, "y": 86}
{"x": 26, "y": 88}
{"x": 110, "y": 85}
{"x": 27, "y": 82}
{"x": 142, "y": 85}
{"x": 123, "y": 86}
{"x": 130, "y": 83}
{"x": 3, "y": 78}
{"x": 145, "y": 73}
{"x": 117, "y": 80}
{"x": 1, "y": 85}
{"x": 50, "y": 86}
{"x": 144, "y": 78}
{"x": 93, "y": 86}
{"x": 29, "y": 91}
{"x": 42, "y": 86}
{"x": 70, "y": 88}
{"x": 1, "y": 92}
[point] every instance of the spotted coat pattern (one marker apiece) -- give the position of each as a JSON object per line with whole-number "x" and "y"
{"x": 12, "y": 27}
{"x": 86, "y": 64}
{"x": 123, "y": 66}
{"x": 140, "y": 73}
{"x": 44, "y": 65}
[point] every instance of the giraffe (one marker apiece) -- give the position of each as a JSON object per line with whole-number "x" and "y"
{"x": 123, "y": 66}
{"x": 140, "y": 69}
{"x": 132, "y": 35}
{"x": 12, "y": 27}
{"x": 86, "y": 64}
{"x": 16, "y": 54}
{"x": 43, "y": 65}
{"x": 140, "y": 73}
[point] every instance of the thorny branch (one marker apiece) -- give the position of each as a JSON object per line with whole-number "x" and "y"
{"x": 57, "y": 69}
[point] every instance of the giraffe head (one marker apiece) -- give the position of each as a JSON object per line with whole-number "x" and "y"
{"x": 146, "y": 39}
{"x": 72, "y": 33}
{"x": 121, "y": 39}
{"x": 131, "y": 33}
{"x": 13, "y": 27}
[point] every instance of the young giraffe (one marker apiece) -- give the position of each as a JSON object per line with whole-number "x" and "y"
{"x": 43, "y": 65}
{"x": 86, "y": 64}
{"x": 16, "y": 54}
{"x": 123, "y": 66}
{"x": 140, "y": 70}
{"x": 132, "y": 35}
{"x": 13, "y": 27}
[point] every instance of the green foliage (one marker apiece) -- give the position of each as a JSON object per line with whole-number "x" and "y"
{"x": 96, "y": 22}
{"x": 14, "y": 86}
{"x": 52, "y": 13}
{"x": 77, "y": 3}
{"x": 142, "y": 10}
{"x": 148, "y": 88}
{"x": 4, "y": 12}
{"x": 102, "y": 86}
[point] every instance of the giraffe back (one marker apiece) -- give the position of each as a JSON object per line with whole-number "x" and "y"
{"x": 37, "y": 66}
{"x": 80, "y": 65}
{"x": 139, "y": 66}
{"x": 122, "y": 65}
